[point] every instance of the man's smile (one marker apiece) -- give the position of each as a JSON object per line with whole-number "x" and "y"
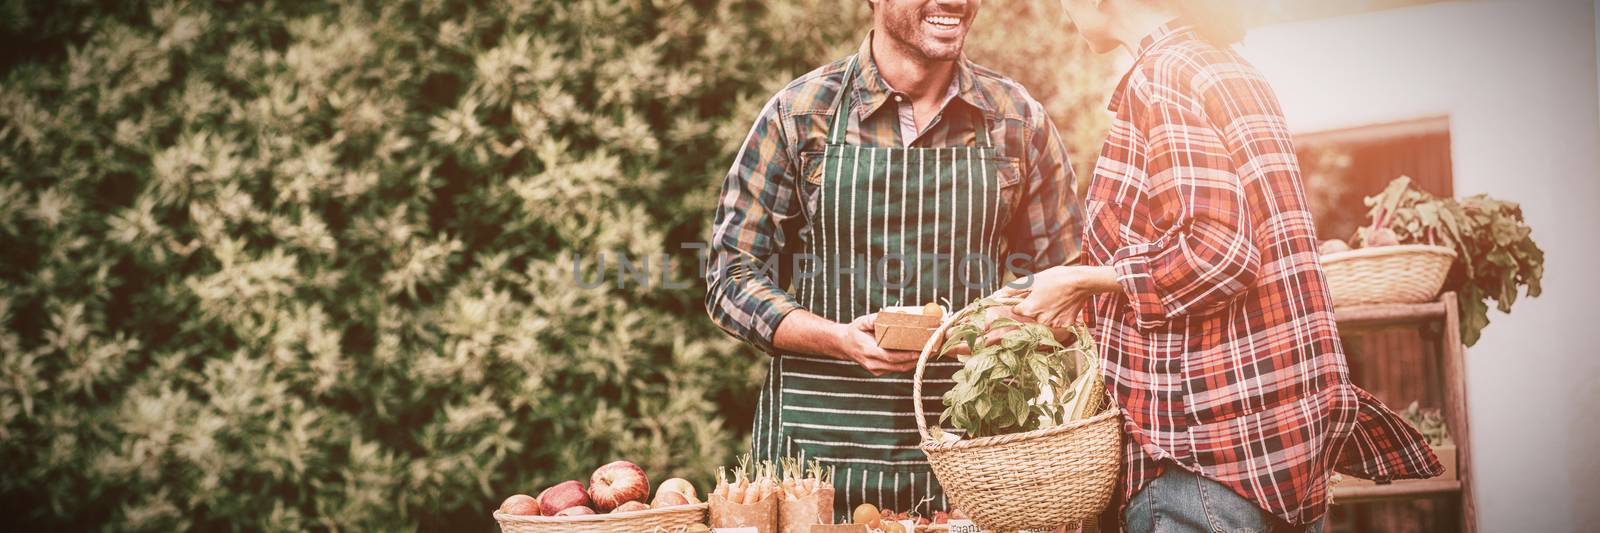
{"x": 943, "y": 25}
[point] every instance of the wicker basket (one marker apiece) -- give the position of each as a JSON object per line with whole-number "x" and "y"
{"x": 675, "y": 519}
{"x": 1407, "y": 273}
{"x": 1037, "y": 480}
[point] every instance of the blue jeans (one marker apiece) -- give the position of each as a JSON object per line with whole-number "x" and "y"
{"x": 1180, "y": 501}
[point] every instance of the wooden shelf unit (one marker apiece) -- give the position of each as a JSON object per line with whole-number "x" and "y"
{"x": 1454, "y": 382}
{"x": 1408, "y": 489}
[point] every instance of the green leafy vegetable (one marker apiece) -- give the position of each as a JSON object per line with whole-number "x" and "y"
{"x": 1021, "y": 383}
{"x": 1494, "y": 247}
{"x": 1429, "y": 422}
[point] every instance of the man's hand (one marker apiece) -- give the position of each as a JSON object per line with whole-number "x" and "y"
{"x": 804, "y": 332}
{"x": 857, "y": 343}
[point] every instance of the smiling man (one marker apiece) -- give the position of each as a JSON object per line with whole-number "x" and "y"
{"x": 900, "y": 175}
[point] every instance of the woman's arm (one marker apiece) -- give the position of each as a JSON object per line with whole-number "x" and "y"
{"x": 1207, "y": 255}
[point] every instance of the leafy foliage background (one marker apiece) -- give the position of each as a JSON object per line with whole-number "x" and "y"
{"x": 308, "y": 266}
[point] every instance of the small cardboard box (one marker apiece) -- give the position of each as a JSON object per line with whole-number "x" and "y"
{"x": 905, "y": 328}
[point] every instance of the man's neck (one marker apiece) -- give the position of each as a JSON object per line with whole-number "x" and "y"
{"x": 910, "y": 73}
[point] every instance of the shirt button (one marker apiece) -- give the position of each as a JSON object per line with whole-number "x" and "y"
{"x": 899, "y": 98}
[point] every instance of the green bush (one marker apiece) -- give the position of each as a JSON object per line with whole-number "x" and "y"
{"x": 290, "y": 266}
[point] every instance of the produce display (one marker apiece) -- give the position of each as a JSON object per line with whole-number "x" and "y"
{"x": 790, "y": 496}
{"x": 1494, "y": 245}
{"x": 875, "y": 520}
{"x": 1016, "y": 377}
{"x": 617, "y": 487}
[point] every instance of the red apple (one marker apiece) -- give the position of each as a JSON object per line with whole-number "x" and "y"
{"x": 669, "y": 498}
{"x": 680, "y": 486}
{"x": 630, "y": 506}
{"x": 565, "y": 494}
{"x": 616, "y": 483}
{"x": 575, "y": 511}
{"x": 521, "y": 504}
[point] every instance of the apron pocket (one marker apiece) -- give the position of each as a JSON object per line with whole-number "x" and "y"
{"x": 810, "y": 184}
{"x": 1008, "y": 174}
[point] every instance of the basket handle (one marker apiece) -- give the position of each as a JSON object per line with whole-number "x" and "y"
{"x": 938, "y": 334}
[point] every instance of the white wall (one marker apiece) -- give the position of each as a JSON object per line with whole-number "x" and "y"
{"x": 1518, "y": 80}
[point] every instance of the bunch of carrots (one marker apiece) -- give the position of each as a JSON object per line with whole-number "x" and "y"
{"x": 751, "y": 483}
{"x": 754, "y": 482}
{"x": 800, "y": 482}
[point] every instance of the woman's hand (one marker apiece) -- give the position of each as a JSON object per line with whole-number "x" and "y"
{"x": 1063, "y": 334}
{"x": 1058, "y": 294}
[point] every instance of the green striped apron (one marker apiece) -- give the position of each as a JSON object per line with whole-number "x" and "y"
{"x": 890, "y": 226}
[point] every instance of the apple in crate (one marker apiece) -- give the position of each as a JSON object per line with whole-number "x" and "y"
{"x": 562, "y": 496}
{"x": 575, "y": 511}
{"x": 669, "y": 498}
{"x": 521, "y": 504}
{"x": 617, "y": 483}
{"x": 680, "y": 486}
{"x": 630, "y": 506}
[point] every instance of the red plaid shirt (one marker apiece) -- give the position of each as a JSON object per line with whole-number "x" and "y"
{"x": 1222, "y": 349}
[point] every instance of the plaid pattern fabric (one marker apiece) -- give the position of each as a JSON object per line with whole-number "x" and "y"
{"x": 1222, "y": 349}
{"x": 773, "y": 185}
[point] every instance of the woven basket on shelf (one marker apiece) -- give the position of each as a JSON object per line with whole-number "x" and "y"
{"x": 1407, "y": 273}
{"x": 675, "y": 519}
{"x": 1037, "y": 480}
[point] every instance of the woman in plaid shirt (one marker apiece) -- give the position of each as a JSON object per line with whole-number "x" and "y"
{"x": 1201, "y": 282}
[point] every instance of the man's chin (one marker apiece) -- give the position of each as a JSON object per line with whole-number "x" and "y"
{"x": 940, "y": 51}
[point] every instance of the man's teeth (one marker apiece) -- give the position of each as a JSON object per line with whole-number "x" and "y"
{"x": 943, "y": 21}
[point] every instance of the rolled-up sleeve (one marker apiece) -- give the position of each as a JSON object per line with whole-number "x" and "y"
{"x": 1207, "y": 254}
{"x": 757, "y": 214}
{"x": 1047, "y": 231}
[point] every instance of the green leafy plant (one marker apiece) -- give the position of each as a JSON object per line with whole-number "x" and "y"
{"x": 1021, "y": 383}
{"x": 1429, "y": 422}
{"x": 1495, "y": 252}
